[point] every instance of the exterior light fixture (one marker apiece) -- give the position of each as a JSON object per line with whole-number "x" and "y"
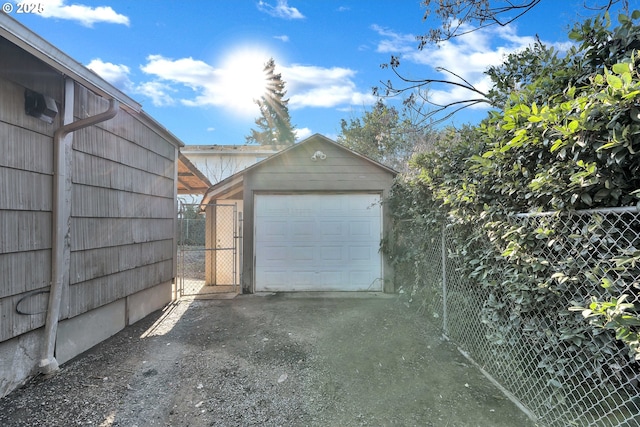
{"x": 318, "y": 155}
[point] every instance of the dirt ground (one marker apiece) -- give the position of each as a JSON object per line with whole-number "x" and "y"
{"x": 275, "y": 360}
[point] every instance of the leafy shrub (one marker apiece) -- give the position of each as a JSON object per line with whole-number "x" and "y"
{"x": 567, "y": 140}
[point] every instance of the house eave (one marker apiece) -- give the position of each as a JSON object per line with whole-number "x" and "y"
{"x": 26, "y": 39}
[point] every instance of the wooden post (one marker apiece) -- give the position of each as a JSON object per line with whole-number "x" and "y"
{"x": 210, "y": 264}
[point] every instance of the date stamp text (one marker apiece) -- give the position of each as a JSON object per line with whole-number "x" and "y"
{"x": 23, "y": 7}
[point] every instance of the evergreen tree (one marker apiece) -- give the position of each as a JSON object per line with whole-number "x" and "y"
{"x": 274, "y": 124}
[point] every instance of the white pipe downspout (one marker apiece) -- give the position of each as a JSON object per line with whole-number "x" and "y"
{"x": 60, "y": 217}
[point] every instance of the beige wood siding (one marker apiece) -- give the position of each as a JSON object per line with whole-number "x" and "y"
{"x": 340, "y": 171}
{"x": 26, "y": 169}
{"x": 122, "y": 201}
{"x": 122, "y": 209}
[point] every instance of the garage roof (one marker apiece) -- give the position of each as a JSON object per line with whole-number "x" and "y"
{"x": 232, "y": 187}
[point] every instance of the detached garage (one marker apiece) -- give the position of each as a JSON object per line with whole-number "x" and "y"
{"x": 313, "y": 219}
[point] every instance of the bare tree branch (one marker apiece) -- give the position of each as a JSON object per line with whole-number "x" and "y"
{"x": 391, "y": 91}
{"x": 457, "y": 18}
{"x": 433, "y": 115}
{"x": 453, "y": 14}
{"x": 414, "y": 86}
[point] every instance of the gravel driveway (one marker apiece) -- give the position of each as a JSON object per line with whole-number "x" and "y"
{"x": 275, "y": 360}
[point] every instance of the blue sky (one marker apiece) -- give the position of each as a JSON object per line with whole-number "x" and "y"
{"x": 196, "y": 65}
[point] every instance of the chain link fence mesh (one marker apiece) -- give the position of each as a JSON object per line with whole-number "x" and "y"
{"x": 207, "y": 248}
{"x": 192, "y": 231}
{"x": 561, "y": 377}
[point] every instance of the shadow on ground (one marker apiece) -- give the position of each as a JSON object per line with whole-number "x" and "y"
{"x": 285, "y": 359}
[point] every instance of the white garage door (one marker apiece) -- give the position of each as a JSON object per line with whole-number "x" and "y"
{"x": 318, "y": 242}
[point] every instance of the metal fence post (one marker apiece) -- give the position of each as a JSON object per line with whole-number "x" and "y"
{"x": 445, "y": 326}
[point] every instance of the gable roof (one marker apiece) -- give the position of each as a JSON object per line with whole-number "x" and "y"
{"x": 233, "y": 184}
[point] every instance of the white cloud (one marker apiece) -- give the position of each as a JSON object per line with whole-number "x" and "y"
{"x": 302, "y": 133}
{"x": 158, "y": 92}
{"x": 283, "y": 38}
{"x": 188, "y": 71}
{"x": 117, "y": 75}
{"x": 313, "y": 86}
{"x": 233, "y": 85}
{"x": 227, "y": 86}
{"x": 307, "y": 86}
{"x": 85, "y": 15}
{"x": 280, "y": 10}
{"x": 393, "y": 42}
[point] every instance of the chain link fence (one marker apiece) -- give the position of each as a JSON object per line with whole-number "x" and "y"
{"x": 208, "y": 260}
{"x": 557, "y": 368}
{"x": 192, "y": 231}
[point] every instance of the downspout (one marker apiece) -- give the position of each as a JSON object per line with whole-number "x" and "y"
{"x": 60, "y": 217}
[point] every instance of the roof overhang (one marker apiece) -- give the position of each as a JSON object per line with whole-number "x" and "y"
{"x": 231, "y": 188}
{"x": 190, "y": 179}
{"x": 29, "y": 41}
{"x": 234, "y": 150}
{"x": 32, "y": 43}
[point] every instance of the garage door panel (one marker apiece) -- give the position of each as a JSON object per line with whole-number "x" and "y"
{"x": 276, "y": 254}
{"x": 364, "y": 229}
{"x": 277, "y": 231}
{"x": 366, "y": 207}
{"x": 302, "y": 229}
{"x": 302, "y": 277}
{"x": 273, "y": 208}
{"x": 332, "y": 207}
{"x": 328, "y": 229}
{"x": 303, "y": 253}
{"x": 361, "y": 253}
{"x": 331, "y": 278}
{"x": 272, "y": 277}
{"x": 331, "y": 253}
{"x": 363, "y": 276}
{"x": 341, "y": 236}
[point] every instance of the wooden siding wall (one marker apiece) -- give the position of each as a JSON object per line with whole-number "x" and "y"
{"x": 122, "y": 208}
{"x": 340, "y": 171}
{"x": 295, "y": 172}
{"x": 26, "y": 177}
{"x": 122, "y": 201}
